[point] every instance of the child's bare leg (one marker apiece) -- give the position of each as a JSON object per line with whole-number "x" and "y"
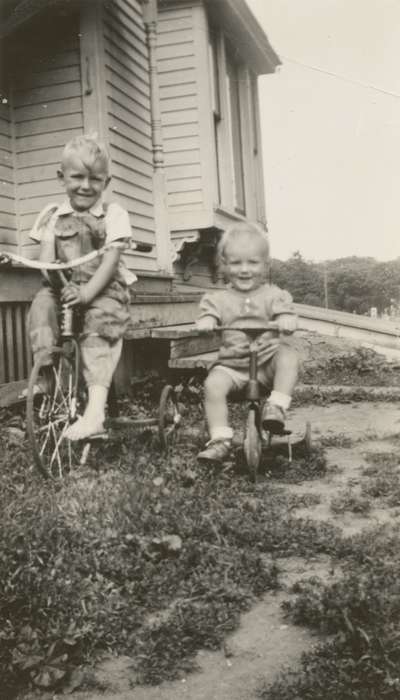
{"x": 100, "y": 360}
{"x": 282, "y": 373}
{"x": 286, "y": 363}
{"x": 216, "y": 389}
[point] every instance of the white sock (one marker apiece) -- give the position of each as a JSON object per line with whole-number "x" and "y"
{"x": 222, "y": 432}
{"x": 279, "y": 399}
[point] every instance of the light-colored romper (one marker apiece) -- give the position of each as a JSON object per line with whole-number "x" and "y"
{"x": 230, "y": 307}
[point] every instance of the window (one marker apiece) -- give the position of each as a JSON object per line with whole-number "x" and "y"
{"x": 256, "y": 151}
{"x": 216, "y": 105}
{"x": 233, "y": 79}
{"x": 254, "y": 112}
{"x": 228, "y": 93}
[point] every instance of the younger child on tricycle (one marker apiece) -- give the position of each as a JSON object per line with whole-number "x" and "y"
{"x": 248, "y": 301}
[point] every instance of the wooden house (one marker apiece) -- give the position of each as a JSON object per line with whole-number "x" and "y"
{"x": 171, "y": 87}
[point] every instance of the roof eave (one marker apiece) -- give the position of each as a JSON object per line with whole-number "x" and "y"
{"x": 245, "y": 31}
{"x": 248, "y": 35}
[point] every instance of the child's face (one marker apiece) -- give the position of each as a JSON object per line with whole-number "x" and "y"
{"x": 83, "y": 184}
{"x": 245, "y": 263}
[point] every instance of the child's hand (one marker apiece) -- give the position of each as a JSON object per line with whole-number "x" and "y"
{"x": 206, "y": 324}
{"x": 72, "y": 295}
{"x": 287, "y": 323}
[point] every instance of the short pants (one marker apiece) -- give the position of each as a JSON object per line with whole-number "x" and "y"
{"x": 240, "y": 376}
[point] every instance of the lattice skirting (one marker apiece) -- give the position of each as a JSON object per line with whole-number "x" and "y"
{"x": 15, "y": 354}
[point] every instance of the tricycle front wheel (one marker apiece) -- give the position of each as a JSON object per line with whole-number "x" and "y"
{"x": 252, "y": 443}
{"x": 169, "y": 416}
{"x": 55, "y": 397}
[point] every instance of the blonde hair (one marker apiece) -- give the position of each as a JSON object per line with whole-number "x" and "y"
{"x": 89, "y": 149}
{"x": 242, "y": 228}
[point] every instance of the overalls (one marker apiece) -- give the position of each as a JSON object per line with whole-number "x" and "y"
{"x": 104, "y": 321}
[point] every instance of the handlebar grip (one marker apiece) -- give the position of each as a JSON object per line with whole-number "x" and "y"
{"x": 4, "y": 259}
{"x": 142, "y": 247}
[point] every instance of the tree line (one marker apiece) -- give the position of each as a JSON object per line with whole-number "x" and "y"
{"x": 353, "y": 284}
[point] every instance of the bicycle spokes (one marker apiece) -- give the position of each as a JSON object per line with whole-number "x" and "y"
{"x": 53, "y": 404}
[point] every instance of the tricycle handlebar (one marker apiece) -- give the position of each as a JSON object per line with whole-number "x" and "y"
{"x": 42, "y": 265}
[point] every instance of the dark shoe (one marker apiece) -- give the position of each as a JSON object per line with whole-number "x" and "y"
{"x": 44, "y": 384}
{"x": 273, "y": 419}
{"x": 216, "y": 451}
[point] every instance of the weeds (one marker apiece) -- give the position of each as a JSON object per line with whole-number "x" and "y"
{"x": 361, "y": 612}
{"x": 384, "y": 478}
{"x": 134, "y": 557}
{"x": 303, "y": 468}
{"x": 349, "y": 500}
{"x": 361, "y": 366}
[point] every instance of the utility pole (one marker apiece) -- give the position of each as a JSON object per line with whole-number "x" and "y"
{"x": 326, "y": 285}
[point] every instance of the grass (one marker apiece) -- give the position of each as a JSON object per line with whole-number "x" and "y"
{"x": 133, "y": 556}
{"x": 356, "y": 367}
{"x": 361, "y": 614}
{"x": 383, "y": 481}
{"x": 154, "y": 557}
{"x": 348, "y": 500}
{"x": 358, "y": 614}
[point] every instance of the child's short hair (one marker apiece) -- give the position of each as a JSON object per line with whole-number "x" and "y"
{"x": 89, "y": 148}
{"x": 239, "y": 229}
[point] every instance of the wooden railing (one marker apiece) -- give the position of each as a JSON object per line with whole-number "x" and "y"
{"x": 15, "y": 354}
{"x": 362, "y": 329}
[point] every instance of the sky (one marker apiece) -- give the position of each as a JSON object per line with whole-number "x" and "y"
{"x": 331, "y": 143}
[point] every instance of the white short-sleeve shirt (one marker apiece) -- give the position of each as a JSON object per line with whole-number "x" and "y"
{"x": 116, "y": 219}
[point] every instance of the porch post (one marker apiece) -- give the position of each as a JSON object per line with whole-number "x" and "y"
{"x": 92, "y": 69}
{"x": 163, "y": 239}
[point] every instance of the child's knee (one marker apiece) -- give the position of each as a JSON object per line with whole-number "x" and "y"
{"x": 100, "y": 359}
{"x": 288, "y": 357}
{"x": 217, "y": 386}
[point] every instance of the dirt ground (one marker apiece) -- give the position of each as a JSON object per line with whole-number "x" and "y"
{"x": 265, "y": 643}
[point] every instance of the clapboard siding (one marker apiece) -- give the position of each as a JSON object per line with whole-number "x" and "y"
{"x": 47, "y": 112}
{"x": 47, "y": 94}
{"x": 181, "y": 102}
{"x": 49, "y": 77}
{"x": 176, "y": 57}
{"x": 182, "y": 157}
{"x": 36, "y": 112}
{"x": 180, "y": 18}
{"x": 7, "y": 190}
{"x": 39, "y": 158}
{"x": 168, "y": 92}
{"x": 185, "y": 198}
{"x": 168, "y": 78}
{"x": 8, "y": 228}
{"x": 123, "y": 62}
{"x": 41, "y": 172}
{"x": 44, "y": 142}
{"x": 129, "y": 121}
